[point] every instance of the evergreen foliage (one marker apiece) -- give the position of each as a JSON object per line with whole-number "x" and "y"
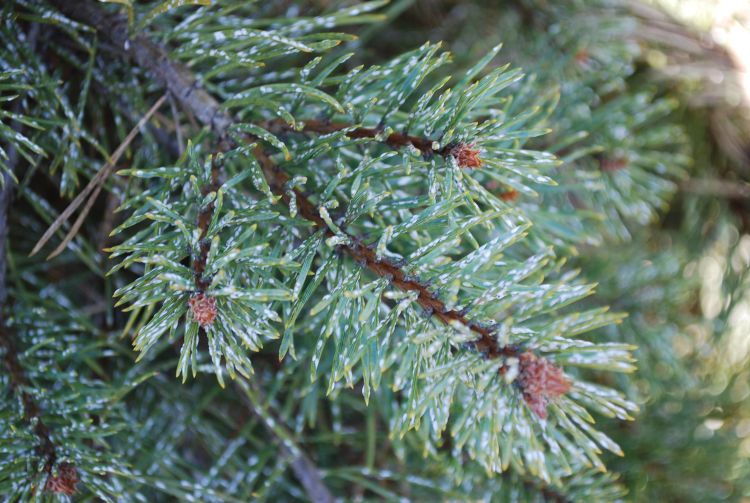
{"x": 323, "y": 267}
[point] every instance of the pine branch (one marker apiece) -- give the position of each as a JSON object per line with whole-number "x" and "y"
{"x": 535, "y": 372}
{"x": 183, "y": 85}
{"x": 465, "y": 154}
{"x": 383, "y": 267}
{"x": 206, "y": 108}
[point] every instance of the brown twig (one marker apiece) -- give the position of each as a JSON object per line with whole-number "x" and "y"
{"x": 393, "y": 140}
{"x": 466, "y": 155}
{"x": 204, "y": 220}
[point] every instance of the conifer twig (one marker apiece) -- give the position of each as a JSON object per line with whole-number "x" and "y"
{"x": 394, "y": 140}
{"x": 466, "y": 155}
{"x": 383, "y": 267}
{"x": 183, "y": 86}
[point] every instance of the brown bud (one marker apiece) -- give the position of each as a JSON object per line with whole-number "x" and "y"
{"x": 612, "y": 165}
{"x": 64, "y": 482}
{"x": 203, "y": 309}
{"x": 582, "y": 57}
{"x": 466, "y": 155}
{"x": 509, "y": 195}
{"x": 541, "y": 382}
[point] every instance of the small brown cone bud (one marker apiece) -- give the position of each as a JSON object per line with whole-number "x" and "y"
{"x": 64, "y": 482}
{"x": 203, "y": 309}
{"x": 612, "y": 165}
{"x": 466, "y": 155}
{"x": 509, "y": 195}
{"x": 583, "y": 58}
{"x": 541, "y": 382}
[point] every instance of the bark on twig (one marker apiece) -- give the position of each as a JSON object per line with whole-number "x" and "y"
{"x": 383, "y": 267}
{"x": 393, "y": 140}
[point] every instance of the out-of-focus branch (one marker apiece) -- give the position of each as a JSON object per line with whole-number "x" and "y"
{"x": 304, "y": 469}
{"x": 719, "y": 188}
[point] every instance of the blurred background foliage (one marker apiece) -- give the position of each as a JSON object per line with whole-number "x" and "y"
{"x": 683, "y": 277}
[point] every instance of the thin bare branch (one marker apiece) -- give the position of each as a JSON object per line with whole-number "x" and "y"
{"x": 394, "y": 140}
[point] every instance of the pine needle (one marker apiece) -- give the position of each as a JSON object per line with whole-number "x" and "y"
{"x": 95, "y": 186}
